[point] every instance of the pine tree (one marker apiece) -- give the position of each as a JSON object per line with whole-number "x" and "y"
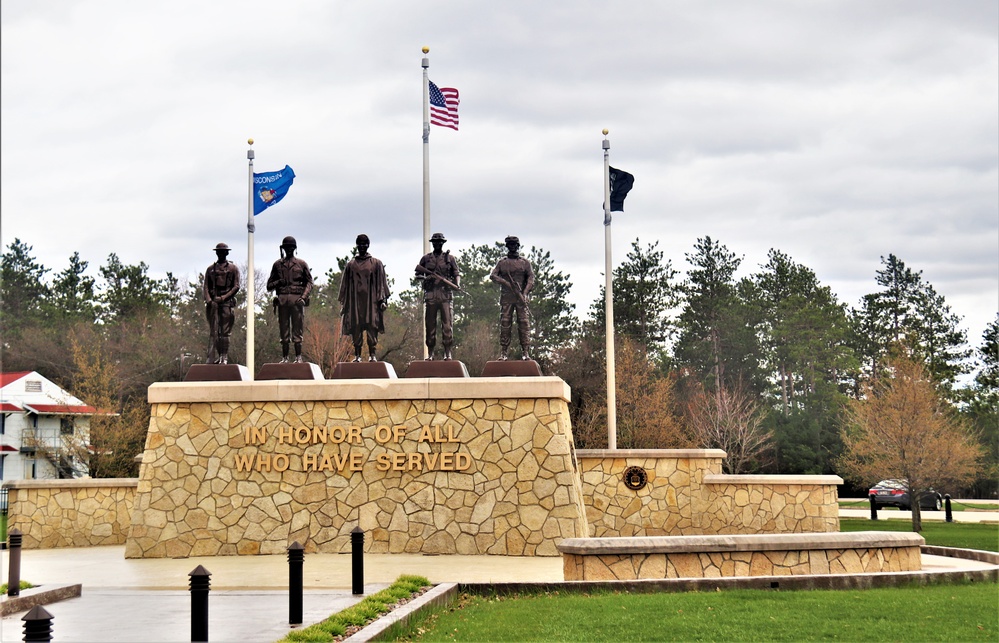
{"x": 23, "y": 290}
{"x": 908, "y": 311}
{"x": 644, "y": 294}
{"x": 717, "y": 341}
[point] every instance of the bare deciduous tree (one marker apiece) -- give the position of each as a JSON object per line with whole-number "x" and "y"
{"x": 730, "y": 419}
{"x": 324, "y": 343}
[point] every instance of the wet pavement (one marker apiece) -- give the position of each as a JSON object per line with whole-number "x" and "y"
{"x": 148, "y": 599}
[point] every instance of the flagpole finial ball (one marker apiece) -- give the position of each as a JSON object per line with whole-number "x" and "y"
{"x": 426, "y": 50}
{"x": 606, "y": 131}
{"x": 250, "y": 141}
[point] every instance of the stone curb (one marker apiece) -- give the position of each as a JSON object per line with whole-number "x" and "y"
{"x": 446, "y": 592}
{"x": 739, "y": 542}
{"x": 816, "y": 581}
{"x": 438, "y": 596}
{"x": 35, "y": 596}
{"x": 990, "y": 557}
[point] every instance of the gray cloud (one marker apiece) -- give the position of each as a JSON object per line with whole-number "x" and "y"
{"x": 837, "y": 132}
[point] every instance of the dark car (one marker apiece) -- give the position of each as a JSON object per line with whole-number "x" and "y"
{"x": 895, "y": 493}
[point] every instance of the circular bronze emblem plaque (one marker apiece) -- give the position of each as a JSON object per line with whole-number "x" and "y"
{"x": 635, "y": 478}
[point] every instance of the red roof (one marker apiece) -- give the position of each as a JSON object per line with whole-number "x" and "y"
{"x": 7, "y": 448}
{"x": 9, "y": 407}
{"x": 7, "y": 378}
{"x": 60, "y": 409}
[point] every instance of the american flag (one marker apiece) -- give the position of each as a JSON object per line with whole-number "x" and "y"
{"x": 444, "y": 106}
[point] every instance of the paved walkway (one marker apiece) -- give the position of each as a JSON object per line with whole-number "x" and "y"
{"x": 148, "y": 599}
{"x": 863, "y": 510}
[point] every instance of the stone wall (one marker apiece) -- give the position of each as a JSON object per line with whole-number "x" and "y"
{"x": 600, "y": 559}
{"x": 444, "y": 466}
{"x": 664, "y": 507}
{"x": 770, "y": 504}
{"x": 71, "y": 513}
{"x": 686, "y": 494}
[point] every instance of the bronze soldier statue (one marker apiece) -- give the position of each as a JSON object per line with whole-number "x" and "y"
{"x": 516, "y": 277}
{"x": 438, "y": 271}
{"x": 363, "y": 298}
{"x": 291, "y": 282}
{"x": 220, "y": 288}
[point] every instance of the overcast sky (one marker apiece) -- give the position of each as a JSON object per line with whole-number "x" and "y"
{"x": 835, "y": 131}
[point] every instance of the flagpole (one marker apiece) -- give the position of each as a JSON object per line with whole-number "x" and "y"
{"x": 251, "y": 275}
{"x": 609, "y": 305}
{"x": 426, "y": 169}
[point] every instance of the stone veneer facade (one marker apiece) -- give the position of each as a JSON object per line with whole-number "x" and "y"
{"x": 686, "y": 494}
{"x": 435, "y": 466}
{"x": 601, "y": 559}
{"x": 71, "y": 513}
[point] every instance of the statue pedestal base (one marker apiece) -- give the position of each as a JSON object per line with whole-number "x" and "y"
{"x": 290, "y": 371}
{"x": 512, "y": 368}
{"x": 436, "y": 368}
{"x": 217, "y": 373}
{"x": 469, "y": 466}
{"x": 363, "y": 371}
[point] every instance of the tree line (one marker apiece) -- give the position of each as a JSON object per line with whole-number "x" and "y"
{"x": 770, "y": 367}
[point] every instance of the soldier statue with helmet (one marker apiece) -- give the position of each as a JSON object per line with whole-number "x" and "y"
{"x": 438, "y": 272}
{"x": 516, "y": 278}
{"x": 291, "y": 282}
{"x": 220, "y": 287}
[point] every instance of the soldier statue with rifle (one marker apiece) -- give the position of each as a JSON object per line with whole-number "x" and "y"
{"x": 291, "y": 281}
{"x": 514, "y": 274}
{"x": 220, "y": 288}
{"x": 438, "y": 271}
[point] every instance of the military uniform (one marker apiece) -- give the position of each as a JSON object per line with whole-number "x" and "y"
{"x": 220, "y": 287}
{"x": 291, "y": 281}
{"x": 438, "y": 296}
{"x": 516, "y": 277}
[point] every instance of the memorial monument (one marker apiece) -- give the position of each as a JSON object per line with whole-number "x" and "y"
{"x": 432, "y": 465}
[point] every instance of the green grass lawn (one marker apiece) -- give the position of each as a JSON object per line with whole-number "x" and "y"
{"x": 359, "y": 614}
{"x": 966, "y": 535}
{"x": 933, "y": 613}
{"x": 958, "y": 612}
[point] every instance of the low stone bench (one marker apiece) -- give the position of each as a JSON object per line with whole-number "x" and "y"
{"x": 740, "y": 555}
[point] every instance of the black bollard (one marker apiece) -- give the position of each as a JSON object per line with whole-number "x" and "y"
{"x": 296, "y": 559}
{"x": 200, "y": 586}
{"x": 874, "y": 506}
{"x": 357, "y": 559}
{"x": 14, "y": 573}
{"x": 950, "y": 514}
{"x": 37, "y": 624}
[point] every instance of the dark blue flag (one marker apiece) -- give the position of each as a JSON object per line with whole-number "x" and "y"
{"x": 270, "y": 187}
{"x": 620, "y": 185}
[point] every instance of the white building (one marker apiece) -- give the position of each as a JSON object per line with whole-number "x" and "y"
{"x": 41, "y": 427}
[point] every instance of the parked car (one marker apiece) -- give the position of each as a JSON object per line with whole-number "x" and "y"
{"x": 895, "y": 493}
